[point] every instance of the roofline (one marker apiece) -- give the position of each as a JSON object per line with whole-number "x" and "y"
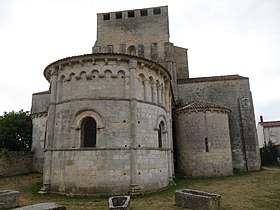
{"x": 41, "y": 93}
{"x": 265, "y": 124}
{"x": 211, "y": 79}
{"x": 87, "y": 57}
{"x": 131, "y": 10}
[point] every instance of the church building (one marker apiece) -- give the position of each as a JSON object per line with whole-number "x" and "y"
{"x": 127, "y": 118}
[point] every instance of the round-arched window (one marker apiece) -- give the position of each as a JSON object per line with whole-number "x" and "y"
{"x": 88, "y": 132}
{"x": 160, "y": 134}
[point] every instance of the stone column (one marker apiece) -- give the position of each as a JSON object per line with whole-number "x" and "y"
{"x": 154, "y": 93}
{"x": 50, "y": 133}
{"x": 147, "y": 92}
{"x": 159, "y": 94}
{"x": 168, "y": 106}
{"x": 134, "y": 187}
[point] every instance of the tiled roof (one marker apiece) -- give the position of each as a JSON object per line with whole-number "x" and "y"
{"x": 270, "y": 124}
{"x": 211, "y": 79}
{"x": 203, "y": 105}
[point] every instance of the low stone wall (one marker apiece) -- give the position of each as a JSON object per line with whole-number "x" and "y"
{"x": 15, "y": 163}
{"x": 194, "y": 199}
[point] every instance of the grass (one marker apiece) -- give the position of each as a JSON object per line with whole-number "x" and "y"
{"x": 255, "y": 190}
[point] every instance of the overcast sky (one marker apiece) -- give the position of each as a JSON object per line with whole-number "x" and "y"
{"x": 222, "y": 36}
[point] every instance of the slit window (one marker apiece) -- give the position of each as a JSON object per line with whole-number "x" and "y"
{"x": 144, "y": 12}
{"x": 88, "y": 132}
{"x": 157, "y": 11}
{"x": 118, "y": 15}
{"x": 106, "y": 16}
{"x": 160, "y": 134}
{"x": 130, "y": 14}
{"x": 206, "y": 144}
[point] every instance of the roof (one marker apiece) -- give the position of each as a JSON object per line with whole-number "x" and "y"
{"x": 43, "y": 92}
{"x": 211, "y": 79}
{"x": 270, "y": 124}
{"x": 203, "y": 105}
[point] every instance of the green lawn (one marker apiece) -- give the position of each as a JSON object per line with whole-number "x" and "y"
{"x": 255, "y": 190}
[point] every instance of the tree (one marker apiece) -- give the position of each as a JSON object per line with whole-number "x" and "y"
{"x": 16, "y": 131}
{"x": 269, "y": 154}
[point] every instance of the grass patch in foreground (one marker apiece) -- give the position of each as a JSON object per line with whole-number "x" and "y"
{"x": 255, "y": 190}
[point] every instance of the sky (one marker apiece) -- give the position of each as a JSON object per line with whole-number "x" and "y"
{"x": 223, "y": 37}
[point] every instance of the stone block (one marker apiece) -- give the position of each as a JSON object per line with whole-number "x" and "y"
{"x": 8, "y": 199}
{"x": 194, "y": 199}
{"x": 119, "y": 203}
{"x": 43, "y": 206}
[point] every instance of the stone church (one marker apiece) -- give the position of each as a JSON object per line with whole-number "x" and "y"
{"x": 127, "y": 118}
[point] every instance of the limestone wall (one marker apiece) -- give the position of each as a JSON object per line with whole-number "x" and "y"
{"x": 40, "y": 102}
{"x": 39, "y": 110}
{"x": 130, "y": 100}
{"x": 15, "y": 163}
{"x": 130, "y": 32}
{"x": 38, "y": 140}
{"x": 181, "y": 58}
{"x": 234, "y": 93}
{"x": 204, "y": 147}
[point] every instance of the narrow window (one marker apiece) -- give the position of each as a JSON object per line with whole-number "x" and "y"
{"x": 118, "y": 15}
{"x": 109, "y": 48}
{"x": 206, "y": 144}
{"x": 131, "y": 50}
{"x": 144, "y": 12}
{"x": 160, "y": 134}
{"x": 89, "y": 132}
{"x": 130, "y": 14}
{"x": 106, "y": 16}
{"x": 156, "y": 11}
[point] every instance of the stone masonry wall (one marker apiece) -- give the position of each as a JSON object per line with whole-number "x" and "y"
{"x": 15, "y": 163}
{"x": 129, "y": 98}
{"x": 120, "y": 34}
{"x": 194, "y": 159}
{"x": 38, "y": 140}
{"x": 229, "y": 93}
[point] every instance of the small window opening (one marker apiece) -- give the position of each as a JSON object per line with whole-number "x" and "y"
{"x": 206, "y": 144}
{"x": 131, "y": 50}
{"x": 130, "y": 14}
{"x": 89, "y": 132}
{"x": 106, "y": 16}
{"x": 144, "y": 12}
{"x": 157, "y": 11}
{"x": 118, "y": 15}
{"x": 160, "y": 134}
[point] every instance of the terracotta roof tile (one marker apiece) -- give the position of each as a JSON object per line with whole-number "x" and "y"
{"x": 211, "y": 79}
{"x": 202, "y": 105}
{"x": 270, "y": 124}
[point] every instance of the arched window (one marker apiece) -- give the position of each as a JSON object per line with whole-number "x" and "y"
{"x": 160, "y": 134}
{"x": 88, "y": 132}
{"x": 131, "y": 50}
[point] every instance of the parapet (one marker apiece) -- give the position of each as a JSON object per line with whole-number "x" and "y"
{"x": 136, "y": 13}
{"x": 141, "y": 31}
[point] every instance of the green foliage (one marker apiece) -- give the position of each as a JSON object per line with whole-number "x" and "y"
{"x": 15, "y": 131}
{"x": 269, "y": 154}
